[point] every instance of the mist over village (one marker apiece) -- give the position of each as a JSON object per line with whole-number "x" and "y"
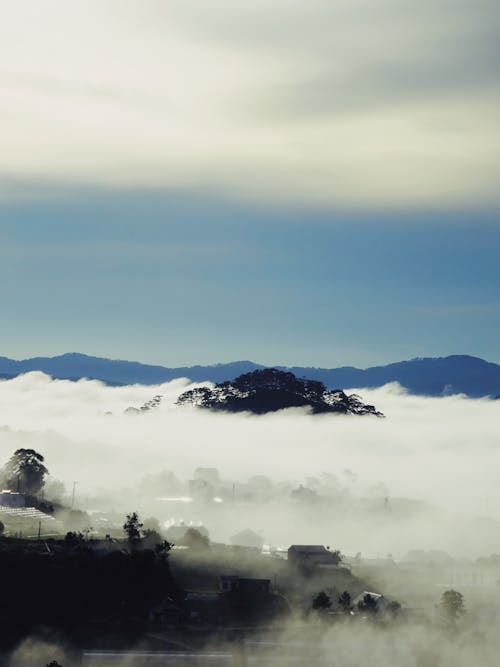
{"x": 249, "y": 315}
{"x": 188, "y": 533}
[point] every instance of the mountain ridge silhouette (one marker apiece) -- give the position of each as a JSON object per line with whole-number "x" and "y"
{"x": 431, "y": 376}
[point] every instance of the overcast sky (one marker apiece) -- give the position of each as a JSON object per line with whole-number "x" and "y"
{"x": 294, "y": 182}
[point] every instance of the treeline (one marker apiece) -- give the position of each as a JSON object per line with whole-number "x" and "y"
{"x": 78, "y": 590}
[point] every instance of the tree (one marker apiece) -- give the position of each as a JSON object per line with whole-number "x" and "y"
{"x": 194, "y": 540}
{"x": 452, "y": 606}
{"x": 74, "y": 539}
{"x": 321, "y": 602}
{"x": 25, "y": 472}
{"x": 132, "y": 527}
{"x": 345, "y": 602}
{"x": 162, "y": 548}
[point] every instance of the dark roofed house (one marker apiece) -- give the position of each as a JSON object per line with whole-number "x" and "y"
{"x": 370, "y": 602}
{"x": 312, "y": 555}
{"x": 12, "y": 498}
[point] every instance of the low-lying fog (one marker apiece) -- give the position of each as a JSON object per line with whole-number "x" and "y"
{"x": 444, "y": 452}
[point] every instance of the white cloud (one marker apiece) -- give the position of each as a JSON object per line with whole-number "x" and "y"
{"x": 442, "y": 451}
{"x": 343, "y": 103}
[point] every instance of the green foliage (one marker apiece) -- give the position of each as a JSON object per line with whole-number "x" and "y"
{"x": 25, "y": 472}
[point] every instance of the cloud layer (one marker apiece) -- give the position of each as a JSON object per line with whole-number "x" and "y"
{"x": 352, "y": 103}
{"x": 443, "y": 452}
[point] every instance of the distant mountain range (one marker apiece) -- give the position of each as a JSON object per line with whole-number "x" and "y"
{"x": 428, "y": 376}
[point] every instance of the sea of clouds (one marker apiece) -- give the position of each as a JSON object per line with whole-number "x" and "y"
{"x": 444, "y": 451}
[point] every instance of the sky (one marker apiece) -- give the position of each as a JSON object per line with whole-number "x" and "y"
{"x": 288, "y": 182}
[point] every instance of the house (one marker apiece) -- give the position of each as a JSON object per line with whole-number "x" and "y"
{"x": 250, "y": 601}
{"x": 12, "y": 498}
{"x": 239, "y": 600}
{"x": 370, "y": 602}
{"x": 312, "y": 556}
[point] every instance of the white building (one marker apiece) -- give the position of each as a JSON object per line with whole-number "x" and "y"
{"x": 12, "y": 498}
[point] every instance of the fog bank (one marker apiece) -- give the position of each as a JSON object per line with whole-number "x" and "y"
{"x": 442, "y": 451}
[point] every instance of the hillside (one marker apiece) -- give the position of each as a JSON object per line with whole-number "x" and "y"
{"x": 427, "y": 376}
{"x": 269, "y": 390}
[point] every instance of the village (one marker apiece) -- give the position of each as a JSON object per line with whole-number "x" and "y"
{"x": 117, "y": 581}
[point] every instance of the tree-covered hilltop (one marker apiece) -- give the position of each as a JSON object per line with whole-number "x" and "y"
{"x": 269, "y": 390}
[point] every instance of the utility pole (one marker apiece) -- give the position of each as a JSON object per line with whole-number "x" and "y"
{"x": 39, "y": 530}
{"x": 73, "y": 495}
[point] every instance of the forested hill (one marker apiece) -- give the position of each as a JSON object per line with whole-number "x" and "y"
{"x": 428, "y": 376}
{"x": 270, "y": 390}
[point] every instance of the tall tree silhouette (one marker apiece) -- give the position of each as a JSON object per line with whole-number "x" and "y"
{"x": 25, "y": 472}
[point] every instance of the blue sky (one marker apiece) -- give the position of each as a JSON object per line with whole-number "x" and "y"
{"x": 188, "y": 278}
{"x": 291, "y": 182}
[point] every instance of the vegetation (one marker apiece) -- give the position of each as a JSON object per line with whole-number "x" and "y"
{"x": 451, "y": 606}
{"x": 194, "y": 539}
{"x": 81, "y": 586}
{"x": 345, "y": 603}
{"x": 321, "y": 602}
{"x": 25, "y": 472}
{"x": 270, "y": 389}
{"x": 132, "y": 527}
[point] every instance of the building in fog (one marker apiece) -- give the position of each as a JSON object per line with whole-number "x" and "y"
{"x": 12, "y": 498}
{"x": 312, "y": 555}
